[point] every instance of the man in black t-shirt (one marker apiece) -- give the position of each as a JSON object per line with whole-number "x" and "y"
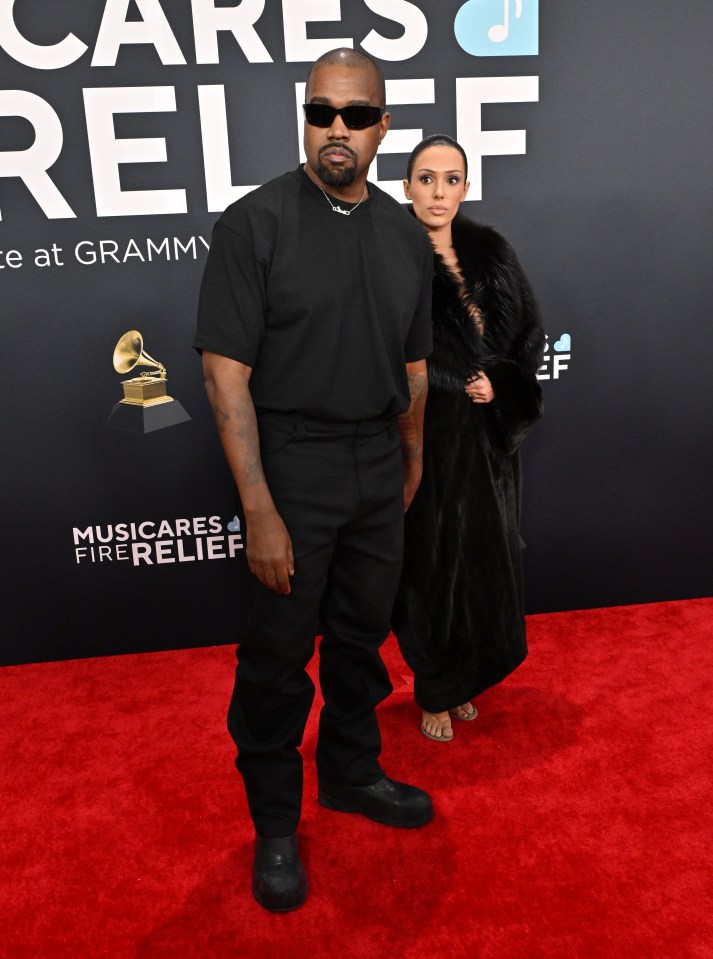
{"x": 314, "y": 325}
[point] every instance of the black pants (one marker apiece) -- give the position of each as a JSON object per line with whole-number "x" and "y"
{"x": 339, "y": 489}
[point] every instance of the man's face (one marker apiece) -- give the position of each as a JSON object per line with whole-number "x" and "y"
{"x": 338, "y": 155}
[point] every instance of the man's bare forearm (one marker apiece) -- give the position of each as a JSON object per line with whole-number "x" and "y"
{"x": 229, "y": 396}
{"x": 411, "y": 429}
{"x": 268, "y": 545}
{"x": 410, "y": 423}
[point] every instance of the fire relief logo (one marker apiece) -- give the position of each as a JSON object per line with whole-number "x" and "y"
{"x": 556, "y": 361}
{"x": 167, "y": 541}
{"x": 498, "y": 28}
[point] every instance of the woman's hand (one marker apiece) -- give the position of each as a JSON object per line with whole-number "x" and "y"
{"x": 480, "y": 389}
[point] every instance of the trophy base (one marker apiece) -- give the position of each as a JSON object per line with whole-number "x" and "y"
{"x": 152, "y": 402}
{"x": 145, "y": 419}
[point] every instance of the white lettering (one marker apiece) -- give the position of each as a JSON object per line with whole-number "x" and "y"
{"x": 163, "y": 546}
{"x": 13, "y": 259}
{"x": 296, "y": 15}
{"x": 191, "y": 247}
{"x": 559, "y": 364}
{"x": 151, "y": 246}
{"x": 45, "y": 257}
{"x": 107, "y": 152}
{"x": 115, "y": 31}
{"x": 240, "y": 20}
{"x": 414, "y": 36}
{"x": 31, "y": 165}
{"x": 50, "y": 57}
{"x": 220, "y": 190}
{"x": 471, "y": 94}
{"x": 108, "y": 250}
{"x": 141, "y": 553}
{"x": 163, "y": 552}
{"x": 215, "y": 547}
{"x": 87, "y": 257}
{"x": 184, "y": 557}
{"x": 132, "y": 250}
{"x": 403, "y": 141}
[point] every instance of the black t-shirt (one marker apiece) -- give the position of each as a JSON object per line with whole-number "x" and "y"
{"x": 326, "y": 309}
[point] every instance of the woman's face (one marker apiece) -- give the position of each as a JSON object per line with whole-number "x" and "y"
{"x": 438, "y": 185}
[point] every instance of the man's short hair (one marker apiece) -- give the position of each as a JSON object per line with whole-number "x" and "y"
{"x": 355, "y": 59}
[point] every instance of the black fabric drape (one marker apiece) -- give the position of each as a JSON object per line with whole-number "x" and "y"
{"x": 459, "y": 614}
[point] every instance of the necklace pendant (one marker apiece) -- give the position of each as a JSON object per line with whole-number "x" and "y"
{"x": 338, "y": 209}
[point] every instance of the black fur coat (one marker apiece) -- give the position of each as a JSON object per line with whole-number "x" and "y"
{"x": 459, "y": 612}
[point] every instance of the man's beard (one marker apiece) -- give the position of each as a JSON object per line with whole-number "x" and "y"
{"x": 342, "y": 177}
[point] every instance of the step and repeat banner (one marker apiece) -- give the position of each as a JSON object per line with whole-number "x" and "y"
{"x": 127, "y": 126}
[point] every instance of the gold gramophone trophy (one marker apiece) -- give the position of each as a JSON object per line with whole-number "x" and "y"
{"x": 146, "y": 405}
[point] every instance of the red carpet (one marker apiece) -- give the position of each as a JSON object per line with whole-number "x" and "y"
{"x": 573, "y": 816}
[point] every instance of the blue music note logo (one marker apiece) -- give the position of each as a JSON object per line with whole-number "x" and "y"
{"x": 485, "y": 28}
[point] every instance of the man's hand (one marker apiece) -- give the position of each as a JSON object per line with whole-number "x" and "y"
{"x": 269, "y": 550}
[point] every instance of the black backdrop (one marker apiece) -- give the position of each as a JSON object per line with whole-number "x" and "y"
{"x": 609, "y": 209}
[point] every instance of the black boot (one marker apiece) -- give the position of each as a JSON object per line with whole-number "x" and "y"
{"x": 386, "y": 801}
{"x": 279, "y": 881}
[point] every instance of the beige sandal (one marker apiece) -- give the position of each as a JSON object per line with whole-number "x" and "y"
{"x": 440, "y": 738}
{"x": 468, "y": 717}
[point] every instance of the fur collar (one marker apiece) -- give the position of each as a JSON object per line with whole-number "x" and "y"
{"x": 495, "y": 285}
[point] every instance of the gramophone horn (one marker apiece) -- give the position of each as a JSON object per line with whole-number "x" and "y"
{"x": 129, "y": 352}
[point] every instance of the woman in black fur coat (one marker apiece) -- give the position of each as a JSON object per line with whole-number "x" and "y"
{"x": 459, "y": 611}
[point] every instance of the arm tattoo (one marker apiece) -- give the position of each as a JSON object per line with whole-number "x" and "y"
{"x": 411, "y": 422}
{"x": 237, "y": 425}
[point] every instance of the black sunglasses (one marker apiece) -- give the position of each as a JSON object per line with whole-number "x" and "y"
{"x": 354, "y": 117}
